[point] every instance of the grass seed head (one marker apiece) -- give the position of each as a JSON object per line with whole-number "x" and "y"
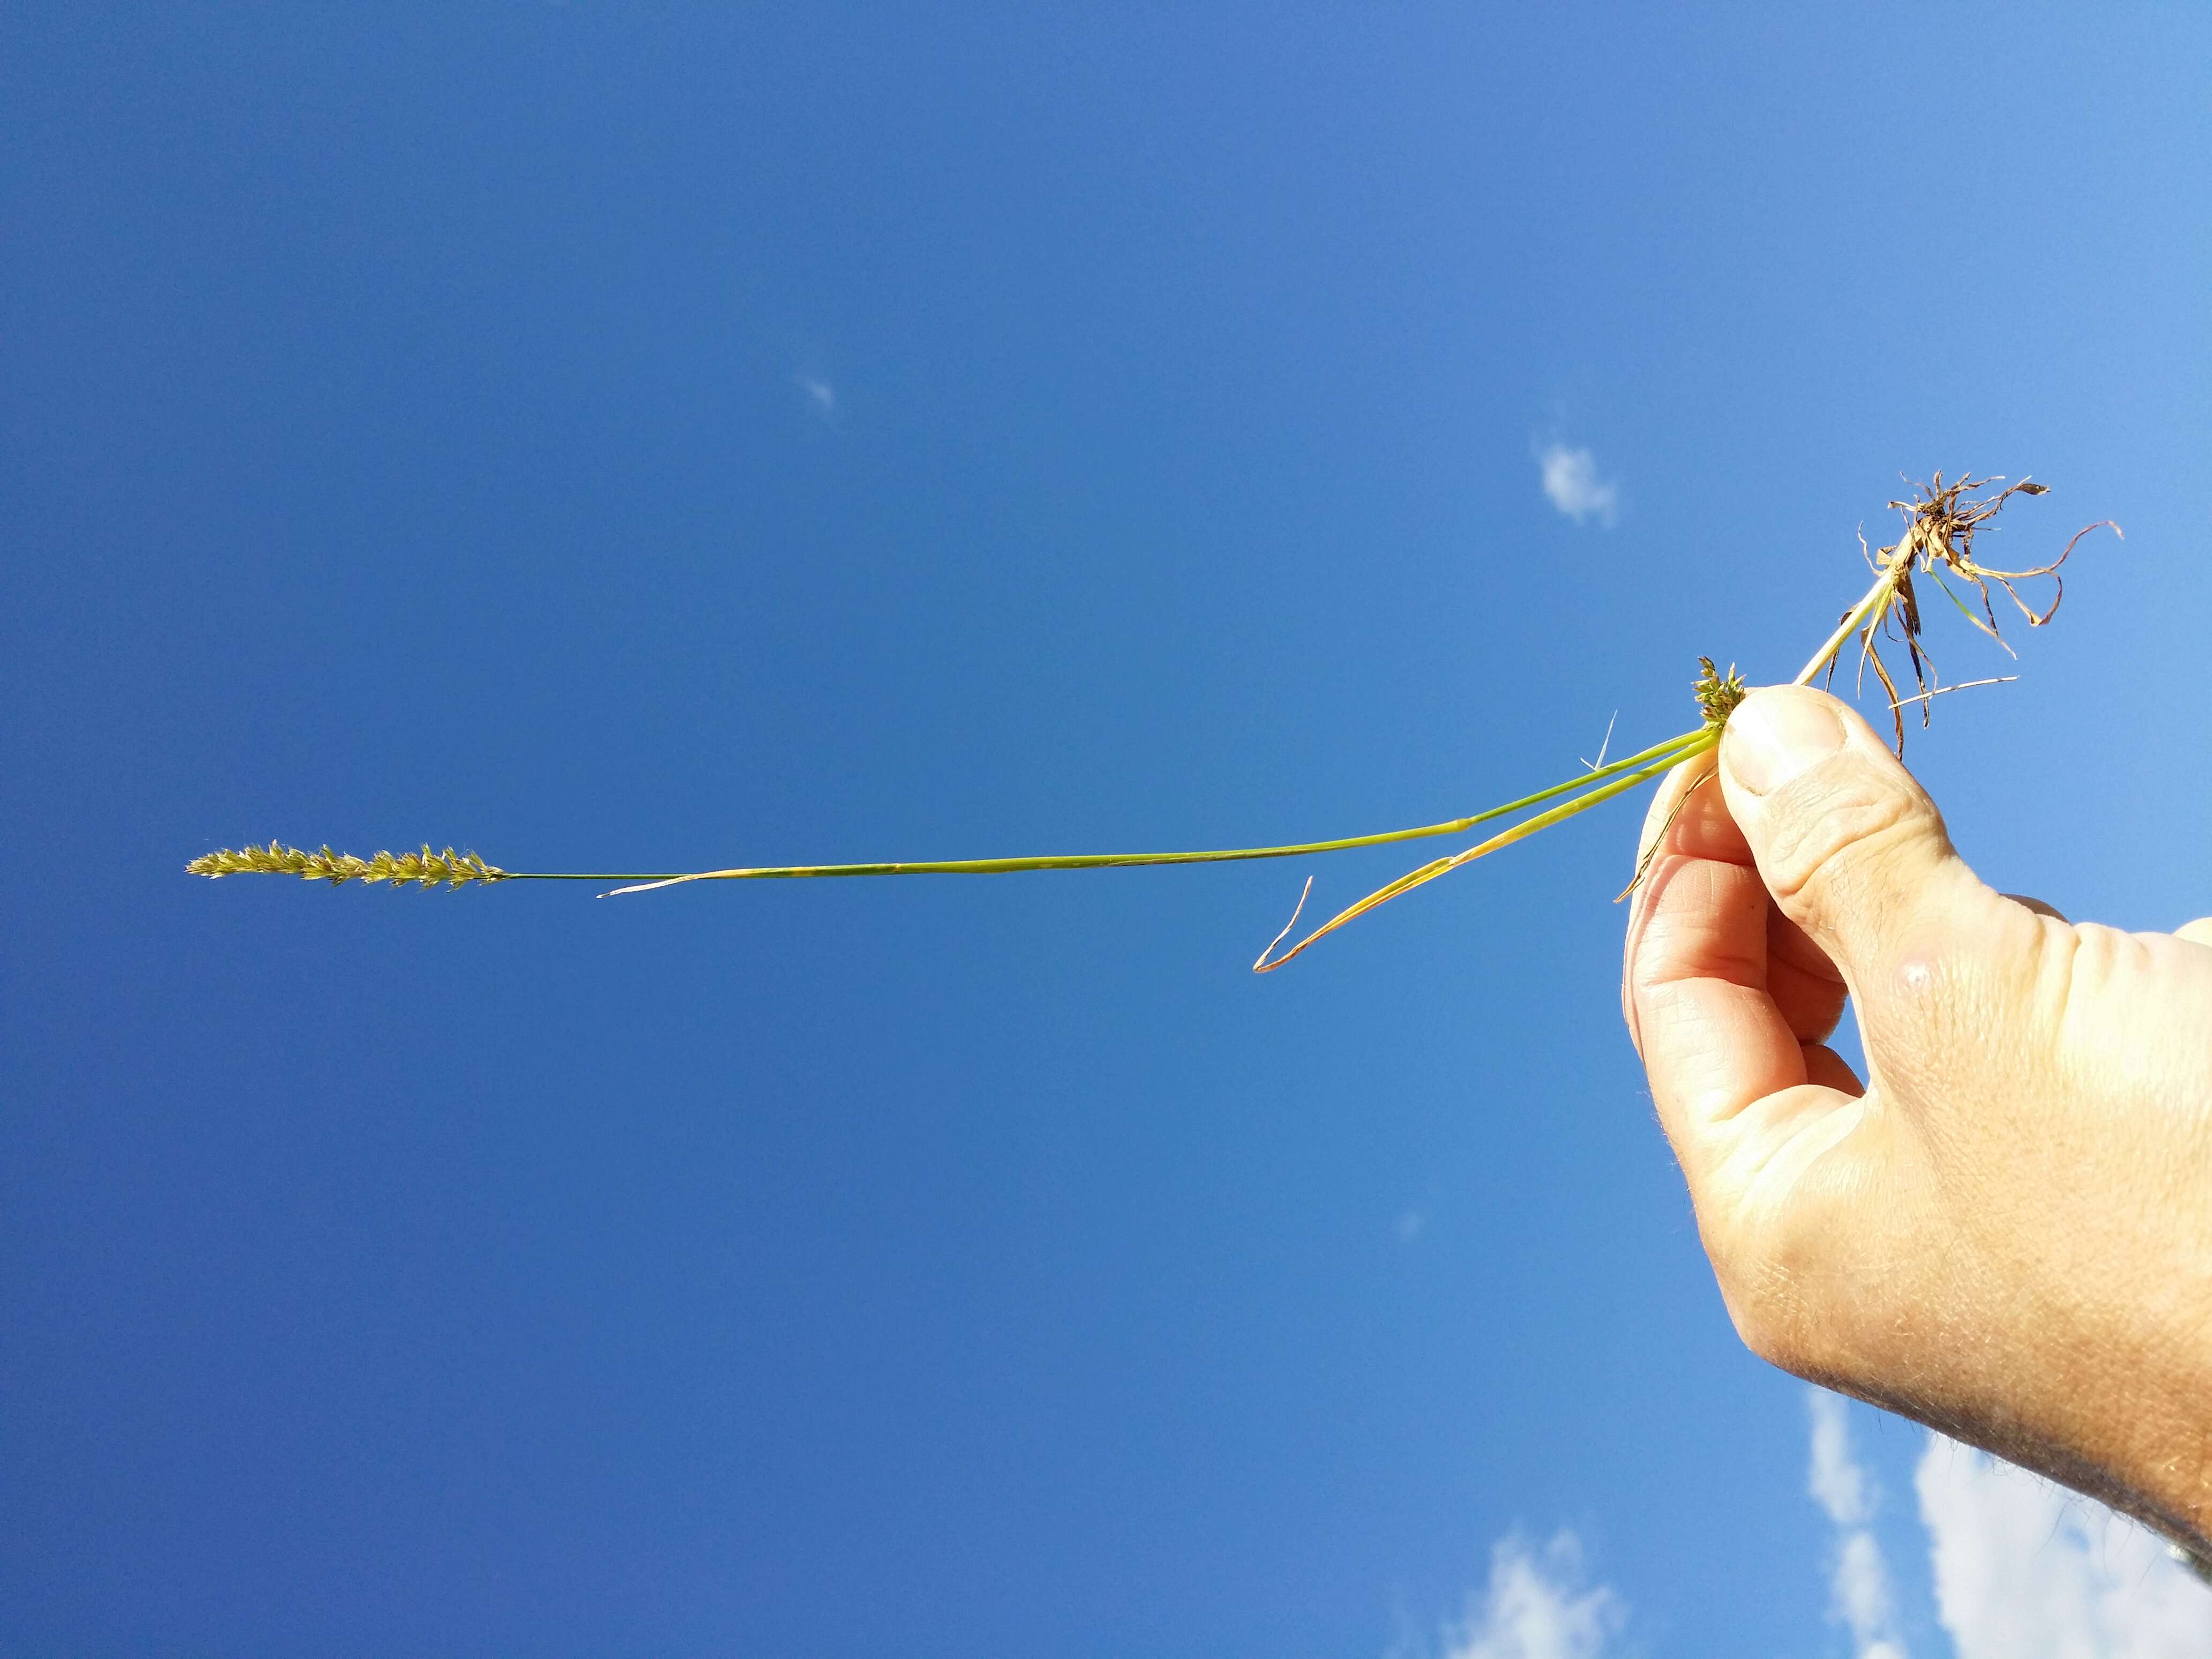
{"x": 425, "y": 868}
{"x": 1717, "y": 695}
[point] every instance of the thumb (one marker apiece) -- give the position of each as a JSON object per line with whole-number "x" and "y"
{"x": 1850, "y": 847}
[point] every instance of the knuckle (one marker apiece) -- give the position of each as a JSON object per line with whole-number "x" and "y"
{"x": 1829, "y": 841}
{"x": 1965, "y": 1012}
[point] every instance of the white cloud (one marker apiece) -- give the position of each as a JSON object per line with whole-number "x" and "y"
{"x": 2026, "y": 1570}
{"x": 1837, "y": 1484}
{"x": 821, "y": 396}
{"x": 2022, "y": 1569}
{"x": 1412, "y": 1223}
{"x": 1858, "y": 1583}
{"x": 1570, "y": 480}
{"x": 1538, "y": 1606}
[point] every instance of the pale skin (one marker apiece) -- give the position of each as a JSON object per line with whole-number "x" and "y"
{"x": 2007, "y": 1231}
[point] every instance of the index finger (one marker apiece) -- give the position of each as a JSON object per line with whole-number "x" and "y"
{"x": 1695, "y": 983}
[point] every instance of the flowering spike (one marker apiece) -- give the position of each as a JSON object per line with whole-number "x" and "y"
{"x": 426, "y": 868}
{"x": 1717, "y": 695}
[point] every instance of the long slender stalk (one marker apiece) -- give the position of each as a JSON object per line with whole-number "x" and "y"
{"x": 451, "y": 869}
{"x": 1667, "y": 753}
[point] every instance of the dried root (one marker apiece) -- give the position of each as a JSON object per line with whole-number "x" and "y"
{"x": 1940, "y": 523}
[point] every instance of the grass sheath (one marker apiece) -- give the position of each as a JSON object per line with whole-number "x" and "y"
{"x": 1940, "y": 523}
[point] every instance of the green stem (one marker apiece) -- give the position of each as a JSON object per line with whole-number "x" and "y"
{"x": 1692, "y": 744}
{"x": 1661, "y": 755}
{"x": 1865, "y": 614}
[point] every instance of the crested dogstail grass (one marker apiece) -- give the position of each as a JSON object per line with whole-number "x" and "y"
{"x": 425, "y": 869}
{"x": 1941, "y": 521}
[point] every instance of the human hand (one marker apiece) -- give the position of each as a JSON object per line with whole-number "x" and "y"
{"x": 2007, "y": 1232}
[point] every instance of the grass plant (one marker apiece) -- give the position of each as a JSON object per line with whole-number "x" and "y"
{"x": 1940, "y": 523}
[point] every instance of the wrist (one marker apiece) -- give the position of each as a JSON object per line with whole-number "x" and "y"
{"x": 2130, "y": 1419}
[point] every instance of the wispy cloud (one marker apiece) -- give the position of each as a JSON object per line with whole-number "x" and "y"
{"x": 2022, "y": 1570}
{"x": 1570, "y": 480}
{"x": 2026, "y": 1570}
{"x": 821, "y": 397}
{"x": 1858, "y": 1582}
{"x": 1539, "y": 1605}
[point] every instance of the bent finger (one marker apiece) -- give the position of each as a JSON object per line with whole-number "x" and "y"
{"x": 1696, "y": 982}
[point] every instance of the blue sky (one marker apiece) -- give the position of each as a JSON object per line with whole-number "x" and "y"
{"x": 616, "y": 437}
